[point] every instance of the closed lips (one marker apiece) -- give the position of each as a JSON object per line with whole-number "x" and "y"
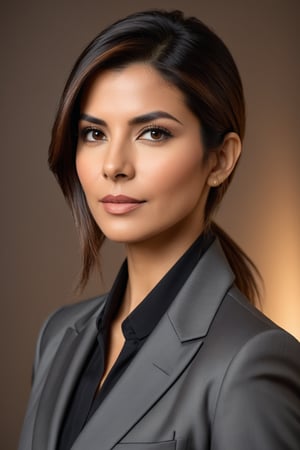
{"x": 120, "y": 199}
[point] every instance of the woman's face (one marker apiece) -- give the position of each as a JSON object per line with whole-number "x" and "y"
{"x": 140, "y": 158}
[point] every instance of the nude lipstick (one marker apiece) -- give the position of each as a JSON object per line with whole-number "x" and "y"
{"x": 120, "y": 204}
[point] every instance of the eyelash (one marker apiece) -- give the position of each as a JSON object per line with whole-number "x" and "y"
{"x": 85, "y": 131}
{"x": 166, "y": 134}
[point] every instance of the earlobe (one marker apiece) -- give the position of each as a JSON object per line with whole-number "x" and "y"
{"x": 227, "y": 157}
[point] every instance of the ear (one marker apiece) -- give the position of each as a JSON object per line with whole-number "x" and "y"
{"x": 225, "y": 159}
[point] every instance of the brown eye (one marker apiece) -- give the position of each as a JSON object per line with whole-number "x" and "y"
{"x": 92, "y": 135}
{"x": 155, "y": 134}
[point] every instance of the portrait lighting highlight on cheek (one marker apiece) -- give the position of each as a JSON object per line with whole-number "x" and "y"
{"x": 140, "y": 157}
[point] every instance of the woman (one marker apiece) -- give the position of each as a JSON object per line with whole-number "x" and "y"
{"x": 145, "y": 143}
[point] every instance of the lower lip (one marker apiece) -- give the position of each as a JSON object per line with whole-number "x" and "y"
{"x": 120, "y": 208}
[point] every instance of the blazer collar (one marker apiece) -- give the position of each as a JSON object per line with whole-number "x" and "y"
{"x": 165, "y": 355}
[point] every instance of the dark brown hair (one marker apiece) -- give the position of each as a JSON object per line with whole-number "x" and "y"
{"x": 190, "y": 56}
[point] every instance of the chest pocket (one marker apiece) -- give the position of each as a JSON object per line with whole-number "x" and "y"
{"x": 166, "y": 445}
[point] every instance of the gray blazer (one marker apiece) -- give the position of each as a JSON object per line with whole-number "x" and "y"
{"x": 214, "y": 374}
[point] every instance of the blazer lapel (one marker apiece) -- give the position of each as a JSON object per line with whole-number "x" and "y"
{"x": 155, "y": 367}
{"x": 164, "y": 356}
{"x": 200, "y": 297}
{"x": 60, "y": 381}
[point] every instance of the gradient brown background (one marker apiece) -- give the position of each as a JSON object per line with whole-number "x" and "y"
{"x": 39, "y": 251}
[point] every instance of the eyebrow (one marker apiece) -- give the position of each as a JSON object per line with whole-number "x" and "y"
{"x": 91, "y": 119}
{"x": 135, "y": 121}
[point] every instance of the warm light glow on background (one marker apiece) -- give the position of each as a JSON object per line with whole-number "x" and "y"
{"x": 281, "y": 265}
{"x": 262, "y": 213}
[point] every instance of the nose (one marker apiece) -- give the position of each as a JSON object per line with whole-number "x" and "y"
{"x": 118, "y": 163}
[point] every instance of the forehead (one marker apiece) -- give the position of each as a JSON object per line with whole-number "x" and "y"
{"x": 135, "y": 87}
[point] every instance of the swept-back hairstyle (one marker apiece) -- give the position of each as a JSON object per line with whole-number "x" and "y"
{"x": 190, "y": 56}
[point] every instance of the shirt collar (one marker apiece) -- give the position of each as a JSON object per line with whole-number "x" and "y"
{"x": 143, "y": 319}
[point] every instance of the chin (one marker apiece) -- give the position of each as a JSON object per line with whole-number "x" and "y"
{"x": 120, "y": 236}
{"x": 128, "y": 236}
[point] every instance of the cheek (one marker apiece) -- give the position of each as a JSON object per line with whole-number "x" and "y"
{"x": 87, "y": 170}
{"x": 180, "y": 175}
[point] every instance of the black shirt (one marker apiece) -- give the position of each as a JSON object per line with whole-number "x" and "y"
{"x": 136, "y": 328}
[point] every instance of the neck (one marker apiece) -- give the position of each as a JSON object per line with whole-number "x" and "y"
{"x": 148, "y": 262}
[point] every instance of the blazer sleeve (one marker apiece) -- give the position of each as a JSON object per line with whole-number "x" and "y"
{"x": 258, "y": 406}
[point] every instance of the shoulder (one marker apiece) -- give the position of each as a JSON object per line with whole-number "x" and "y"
{"x": 254, "y": 333}
{"x": 69, "y": 315}
{"x": 241, "y": 336}
{"x": 260, "y": 383}
{"x": 243, "y": 319}
{"x": 242, "y": 342}
{"x": 73, "y": 315}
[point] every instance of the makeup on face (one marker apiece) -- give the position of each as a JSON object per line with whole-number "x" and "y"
{"x": 140, "y": 157}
